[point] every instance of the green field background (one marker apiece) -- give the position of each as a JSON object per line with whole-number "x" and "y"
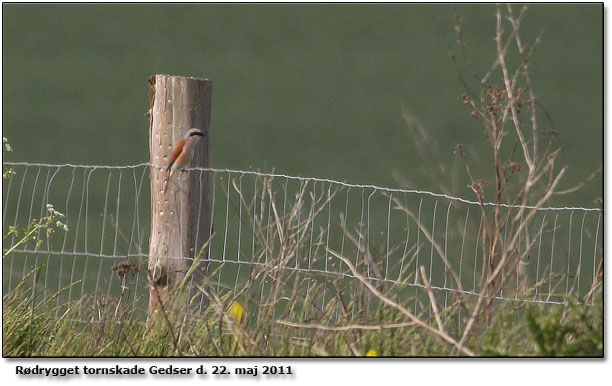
{"x": 309, "y": 90}
{"x": 306, "y": 90}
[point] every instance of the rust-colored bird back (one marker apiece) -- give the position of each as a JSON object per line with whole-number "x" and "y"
{"x": 175, "y": 154}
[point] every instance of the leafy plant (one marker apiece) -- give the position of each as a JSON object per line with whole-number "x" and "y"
{"x": 32, "y": 233}
{"x": 576, "y": 330}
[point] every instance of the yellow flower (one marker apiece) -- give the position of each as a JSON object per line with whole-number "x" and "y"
{"x": 372, "y": 353}
{"x": 236, "y": 311}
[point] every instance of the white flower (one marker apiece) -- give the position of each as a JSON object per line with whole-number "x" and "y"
{"x": 54, "y": 212}
{"x": 7, "y": 146}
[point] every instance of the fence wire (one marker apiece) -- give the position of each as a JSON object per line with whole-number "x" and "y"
{"x": 262, "y": 221}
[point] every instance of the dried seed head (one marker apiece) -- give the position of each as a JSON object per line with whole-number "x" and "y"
{"x": 458, "y": 149}
{"x": 478, "y": 184}
{"x": 552, "y": 132}
{"x": 123, "y": 268}
{"x": 467, "y": 100}
{"x": 513, "y": 167}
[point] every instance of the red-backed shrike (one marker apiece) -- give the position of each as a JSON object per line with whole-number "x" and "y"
{"x": 183, "y": 153}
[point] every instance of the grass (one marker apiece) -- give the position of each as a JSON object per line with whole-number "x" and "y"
{"x": 516, "y": 329}
{"x": 279, "y": 310}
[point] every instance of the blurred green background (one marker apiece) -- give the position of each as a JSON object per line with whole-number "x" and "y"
{"x": 309, "y": 90}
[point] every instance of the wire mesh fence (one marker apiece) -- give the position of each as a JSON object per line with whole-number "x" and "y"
{"x": 299, "y": 232}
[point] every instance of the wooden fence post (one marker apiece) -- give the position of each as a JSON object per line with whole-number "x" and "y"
{"x": 180, "y": 214}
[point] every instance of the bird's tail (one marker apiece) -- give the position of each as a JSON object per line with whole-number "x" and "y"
{"x": 168, "y": 172}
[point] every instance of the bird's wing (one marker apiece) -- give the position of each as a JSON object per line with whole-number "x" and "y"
{"x": 175, "y": 154}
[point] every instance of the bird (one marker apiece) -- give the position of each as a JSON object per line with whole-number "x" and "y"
{"x": 183, "y": 153}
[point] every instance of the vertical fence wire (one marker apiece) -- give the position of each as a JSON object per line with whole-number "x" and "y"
{"x": 387, "y": 235}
